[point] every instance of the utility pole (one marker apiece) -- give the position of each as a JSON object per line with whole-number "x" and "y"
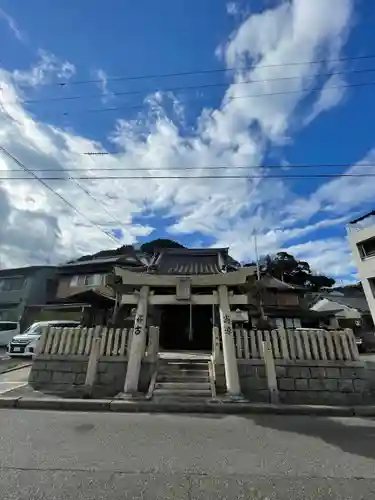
{"x": 260, "y": 291}
{"x": 256, "y": 255}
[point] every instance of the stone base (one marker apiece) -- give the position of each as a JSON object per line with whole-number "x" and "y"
{"x": 64, "y": 374}
{"x": 126, "y": 396}
{"x": 231, "y": 398}
{"x": 308, "y": 382}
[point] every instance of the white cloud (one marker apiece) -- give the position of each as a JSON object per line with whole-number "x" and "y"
{"x": 47, "y": 67}
{"x": 331, "y": 255}
{"x": 339, "y": 196}
{"x": 238, "y": 133}
{"x": 12, "y": 26}
{"x": 102, "y": 83}
{"x": 330, "y": 96}
{"x": 233, "y": 8}
{"x": 297, "y": 31}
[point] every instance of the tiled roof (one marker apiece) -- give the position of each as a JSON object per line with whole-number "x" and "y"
{"x": 296, "y": 312}
{"x": 102, "y": 264}
{"x": 357, "y": 302}
{"x": 271, "y": 282}
{"x": 188, "y": 262}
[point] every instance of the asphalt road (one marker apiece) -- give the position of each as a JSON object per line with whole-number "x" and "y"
{"x": 63, "y": 456}
{"x": 13, "y": 380}
{"x": 7, "y": 362}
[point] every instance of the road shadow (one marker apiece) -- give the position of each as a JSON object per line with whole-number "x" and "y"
{"x": 355, "y": 436}
{"x": 351, "y": 434}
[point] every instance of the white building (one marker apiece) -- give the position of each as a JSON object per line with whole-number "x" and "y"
{"x": 361, "y": 234}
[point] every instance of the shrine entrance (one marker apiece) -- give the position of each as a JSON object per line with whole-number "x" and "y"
{"x": 186, "y": 328}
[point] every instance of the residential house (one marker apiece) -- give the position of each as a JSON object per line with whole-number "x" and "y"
{"x": 361, "y": 236}
{"x": 347, "y": 311}
{"x": 23, "y": 287}
{"x": 82, "y": 283}
{"x": 284, "y": 306}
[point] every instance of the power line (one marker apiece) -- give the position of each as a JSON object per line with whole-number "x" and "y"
{"x": 42, "y": 181}
{"x": 211, "y": 167}
{"x": 85, "y": 190}
{"x": 230, "y": 99}
{"x": 188, "y": 87}
{"x": 202, "y": 71}
{"x": 316, "y": 89}
{"x": 152, "y": 177}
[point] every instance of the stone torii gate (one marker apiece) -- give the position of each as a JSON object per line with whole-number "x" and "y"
{"x": 122, "y": 279}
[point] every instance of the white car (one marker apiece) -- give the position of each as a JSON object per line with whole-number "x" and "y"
{"x": 8, "y": 329}
{"x": 24, "y": 345}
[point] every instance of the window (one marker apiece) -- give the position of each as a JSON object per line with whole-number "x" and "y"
{"x": 9, "y": 314}
{"x": 292, "y": 323}
{"x": 366, "y": 248}
{"x": 87, "y": 280}
{"x": 279, "y": 322}
{"x": 289, "y": 323}
{"x": 297, "y": 323}
{"x": 288, "y": 299}
{"x": 371, "y": 282}
{"x": 11, "y": 284}
{"x": 8, "y": 326}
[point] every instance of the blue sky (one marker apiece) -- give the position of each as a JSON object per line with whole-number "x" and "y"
{"x": 156, "y": 127}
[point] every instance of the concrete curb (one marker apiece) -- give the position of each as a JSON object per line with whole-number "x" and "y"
{"x": 15, "y": 368}
{"x": 120, "y": 406}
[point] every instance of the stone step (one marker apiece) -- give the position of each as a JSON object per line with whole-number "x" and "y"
{"x": 183, "y": 373}
{"x": 179, "y": 379}
{"x": 182, "y": 377}
{"x": 183, "y": 386}
{"x": 183, "y": 365}
{"x": 186, "y": 393}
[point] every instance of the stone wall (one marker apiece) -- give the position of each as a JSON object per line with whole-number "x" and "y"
{"x": 65, "y": 375}
{"x": 310, "y": 382}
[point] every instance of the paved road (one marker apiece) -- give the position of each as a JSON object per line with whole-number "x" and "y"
{"x": 6, "y": 362}
{"x": 14, "y": 379}
{"x": 368, "y": 357}
{"x": 63, "y": 456}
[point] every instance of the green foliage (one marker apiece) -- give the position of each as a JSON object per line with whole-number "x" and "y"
{"x": 286, "y": 267}
{"x": 151, "y": 246}
{"x": 103, "y": 254}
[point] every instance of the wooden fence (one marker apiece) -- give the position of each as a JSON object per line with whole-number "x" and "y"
{"x": 305, "y": 345}
{"x": 79, "y": 341}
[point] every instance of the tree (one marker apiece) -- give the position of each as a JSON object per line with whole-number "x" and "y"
{"x": 104, "y": 254}
{"x": 151, "y": 247}
{"x": 287, "y": 268}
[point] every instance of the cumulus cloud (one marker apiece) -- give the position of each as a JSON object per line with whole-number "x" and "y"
{"x": 229, "y": 210}
{"x": 339, "y": 196}
{"x": 330, "y": 255}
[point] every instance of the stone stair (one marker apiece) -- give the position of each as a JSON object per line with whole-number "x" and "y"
{"x": 182, "y": 379}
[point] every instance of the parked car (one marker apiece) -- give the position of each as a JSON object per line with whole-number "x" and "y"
{"x": 365, "y": 341}
{"x": 8, "y": 329}
{"x": 24, "y": 345}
